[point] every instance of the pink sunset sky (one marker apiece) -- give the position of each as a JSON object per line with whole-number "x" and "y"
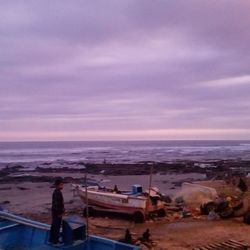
{"x": 124, "y": 70}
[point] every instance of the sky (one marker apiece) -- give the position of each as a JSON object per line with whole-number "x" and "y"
{"x": 124, "y": 70}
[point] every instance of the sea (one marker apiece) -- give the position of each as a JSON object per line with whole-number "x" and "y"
{"x": 124, "y": 151}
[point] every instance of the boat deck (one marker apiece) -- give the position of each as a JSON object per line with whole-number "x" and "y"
{"x": 23, "y": 234}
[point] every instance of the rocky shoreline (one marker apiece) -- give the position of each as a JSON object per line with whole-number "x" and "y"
{"x": 37, "y": 171}
{"x": 25, "y": 189}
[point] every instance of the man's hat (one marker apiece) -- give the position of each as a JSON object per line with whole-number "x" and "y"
{"x": 58, "y": 181}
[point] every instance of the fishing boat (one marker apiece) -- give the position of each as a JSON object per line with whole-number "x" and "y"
{"x": 19, "y": 233}
{"x": 137, "y": 203}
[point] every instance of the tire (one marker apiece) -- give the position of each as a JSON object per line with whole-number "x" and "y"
{"x": 207, "y": 207}
{"x": 227, "y": 213}
{"x": 161, "y": 212}
{"x": 138, "y": 217}
{"x": 91, "y": 211}
{"x": 246, "y": 218}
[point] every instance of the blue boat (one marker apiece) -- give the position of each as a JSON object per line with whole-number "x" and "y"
{"x": 19, "y": 233}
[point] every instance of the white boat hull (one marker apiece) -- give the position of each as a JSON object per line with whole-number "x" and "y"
{"x": 119, "y": 202}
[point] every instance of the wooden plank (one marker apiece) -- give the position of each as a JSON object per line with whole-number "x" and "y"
{"x": 217, "y": 246}
{"x": 203, "y": 248}
{"x": 240, "y": 243}
{"x": 236, "y": 244}
{"x": 227, "y": 245}
{"x": 210, "y": 247}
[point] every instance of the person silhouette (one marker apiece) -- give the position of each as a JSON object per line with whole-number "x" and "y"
{"x": 57, "y": 212}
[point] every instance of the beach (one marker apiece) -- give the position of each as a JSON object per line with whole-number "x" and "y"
{"x": 28, "y": 193}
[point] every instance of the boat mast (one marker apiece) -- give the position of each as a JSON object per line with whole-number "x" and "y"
{"x": 87, "y": 206}
{"x": 150, "y": 177}
{"x": 150, "y": 184}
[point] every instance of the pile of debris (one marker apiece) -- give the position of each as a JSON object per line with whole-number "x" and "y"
{"x": 197, "y": 199}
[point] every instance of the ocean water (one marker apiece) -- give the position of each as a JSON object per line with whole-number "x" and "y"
{"x": 123, "y": 151}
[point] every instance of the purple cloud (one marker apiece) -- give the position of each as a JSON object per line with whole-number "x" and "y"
{"x": 137, "y": 69}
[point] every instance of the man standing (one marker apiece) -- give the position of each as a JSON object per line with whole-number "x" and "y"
{"x": 57, "y": 212}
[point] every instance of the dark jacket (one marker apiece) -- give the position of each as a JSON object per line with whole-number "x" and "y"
{"x": 57, "y": 203}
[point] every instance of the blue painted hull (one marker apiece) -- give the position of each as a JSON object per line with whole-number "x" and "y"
{"x": 18, "y": 233}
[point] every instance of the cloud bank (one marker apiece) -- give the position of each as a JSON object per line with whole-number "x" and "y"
{"x": 113, "y": 70}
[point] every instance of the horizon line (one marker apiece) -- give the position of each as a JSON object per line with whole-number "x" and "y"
{"x": 124, "y": 140}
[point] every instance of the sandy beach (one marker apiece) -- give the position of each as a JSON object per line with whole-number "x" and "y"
{"x": 32, "y": 198}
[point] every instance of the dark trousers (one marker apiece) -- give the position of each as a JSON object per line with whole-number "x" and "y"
{"x": 55, "y": 229}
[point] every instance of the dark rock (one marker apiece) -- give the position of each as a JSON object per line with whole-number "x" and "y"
{"x": 5, "y": 188}
{"x": 23, "y": 188}
{"x": 5, "y": 202}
